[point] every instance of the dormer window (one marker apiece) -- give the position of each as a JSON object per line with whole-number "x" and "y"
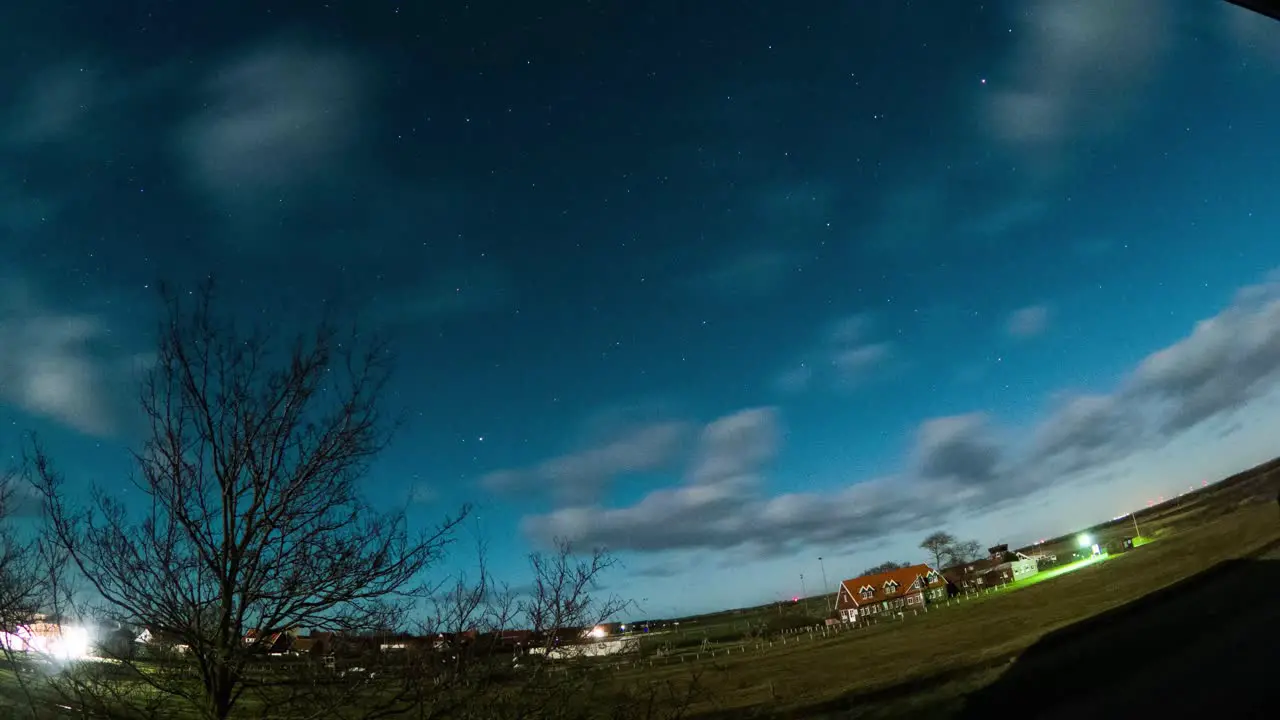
{"x": 932, "y": 577}
{"x": 867, "y": 592}
{"x": 891, "y": 587}
{"x": 918, "y": 583}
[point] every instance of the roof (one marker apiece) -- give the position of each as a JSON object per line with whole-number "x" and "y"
{"x": 886, "y": 585}
{"x": 973, "y": 567}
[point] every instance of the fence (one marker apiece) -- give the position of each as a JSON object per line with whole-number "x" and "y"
{"x": 790, "y": 637}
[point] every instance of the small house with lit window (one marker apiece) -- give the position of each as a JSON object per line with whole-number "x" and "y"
{"x": 888, "y": 592}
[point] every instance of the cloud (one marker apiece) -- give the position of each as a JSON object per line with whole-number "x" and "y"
{"x": 722, "y": 504}
{"x": 958, "y": 449}
{"x": 1084, "y": 431}
{"x": 279, "y": 119}
{"x": 583, "y": 475}
{"x": 1077, "y": 70}
{"x": 735, "y": 446}
{"x": 720, "y": 479}
{"x": 52, "y": 363}
{"x": 854, "y": 364}
{"x": 847, "y": 356}
{"x": 1027, "y": 322}
{"x": 961, "y": 463}
{"x": 751, "y": 274}
{"x": 1225, "y": 362}
{"x": 56, "y": 101}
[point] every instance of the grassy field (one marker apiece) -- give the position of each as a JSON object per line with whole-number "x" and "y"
{"x": 932, "y": 660}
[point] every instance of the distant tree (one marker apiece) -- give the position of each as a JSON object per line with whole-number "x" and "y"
{"x": 947, "y": 550}
{"x": 940, "y": 545}
{"x": 967, "y": 551}
{"x": 884, "y": 567}
{"x": 503, "y": 653}
{"x": 253, "y": 518}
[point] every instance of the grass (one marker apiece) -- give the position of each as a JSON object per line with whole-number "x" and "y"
{"x": 933, "y": 659}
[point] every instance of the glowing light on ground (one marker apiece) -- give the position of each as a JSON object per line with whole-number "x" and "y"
{"x": 64, "y": 645}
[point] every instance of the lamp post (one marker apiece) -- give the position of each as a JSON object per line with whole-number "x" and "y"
{"x": 1134, "y": 518}
{"x": 824, "y": 583}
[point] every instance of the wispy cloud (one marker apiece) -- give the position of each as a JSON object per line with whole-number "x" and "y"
{"x": 847, "y": 355}
{"x": 720, "y": 480}
{"x": 54, "y": 104}
{"x": 1078, "y": 70}
{"x": 747, "y": 275}
{"x": 278, "y": 120}
{"x": 1027, "y": 322}
{"x": 583, "y": 475}
{"x": 957, "y": 463}
{"x": 57, "y": 364}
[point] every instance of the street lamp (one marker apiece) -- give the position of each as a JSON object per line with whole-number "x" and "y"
{"x": 824, "y": 583}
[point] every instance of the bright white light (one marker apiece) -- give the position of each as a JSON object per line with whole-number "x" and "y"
{"x": 63, "y": 645}
{"x": 74, "y": 644}
{"x": 597, "y": 632}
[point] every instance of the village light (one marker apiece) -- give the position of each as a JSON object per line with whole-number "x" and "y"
{"x": 1085, "y": 541}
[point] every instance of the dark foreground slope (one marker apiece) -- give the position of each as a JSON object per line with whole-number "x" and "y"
{"x": 1205, "y": 646}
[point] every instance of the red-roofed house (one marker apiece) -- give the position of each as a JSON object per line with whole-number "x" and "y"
{"x": 889, "y": 591}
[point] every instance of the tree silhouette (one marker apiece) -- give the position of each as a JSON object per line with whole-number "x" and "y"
{"x": 939, "y": 544}
{"x": 253, "y": 518}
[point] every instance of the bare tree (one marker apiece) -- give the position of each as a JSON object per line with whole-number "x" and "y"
{"x": 253, "y": 518}
{"x": 23, "y": 586}
{"x": 21, "y": 581}
{"x": 947, "y": 550}
{"x": 967, "y": 551}
{"x": 939, "y": 545}
{"x": 492, "y": 652}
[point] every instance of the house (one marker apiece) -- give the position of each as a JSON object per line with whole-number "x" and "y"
{"x": 276, "y": 643}
{"x": 889, "y": 591}
{"x": 998, "y": 568}
{"x": 158, "y": 640}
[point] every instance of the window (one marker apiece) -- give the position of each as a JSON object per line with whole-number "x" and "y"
{"x": 891, "y": 587}
{"x": 867, "y": 592}
{"x": 932, "y": 577}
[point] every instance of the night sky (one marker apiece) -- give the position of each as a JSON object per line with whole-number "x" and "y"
{"x": 724, "y": 287}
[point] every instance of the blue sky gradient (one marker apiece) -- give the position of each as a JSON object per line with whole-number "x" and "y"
{"x": 724, "y": 292}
